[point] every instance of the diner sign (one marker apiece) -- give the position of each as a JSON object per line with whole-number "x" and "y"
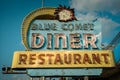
{"x": 52, "y": 34}
{"x": 54, "y": 38}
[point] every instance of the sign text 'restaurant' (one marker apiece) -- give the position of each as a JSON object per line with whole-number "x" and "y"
{"x": 40, "y": 59}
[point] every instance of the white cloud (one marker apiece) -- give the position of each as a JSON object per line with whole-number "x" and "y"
{"x": 108, "y": 25}
{"x": 88, "y": 16}
{"x": 86, "y": 10}
{"x": 112, "y": 6}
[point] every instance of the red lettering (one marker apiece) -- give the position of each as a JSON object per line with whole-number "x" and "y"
{"x": 58, "y": 59}
{"x": 96, "y": 58}
{"x": 41, "y": 58}
{"x": 22, "y": 58}
{"x": 67, "y": 58}
{"x": 77, "y": 58}
{"x": 50, "y": 58}
{"x": 105, "y": 56}
{"x": 86, "y": 59}
{"x": 32, "y": 58}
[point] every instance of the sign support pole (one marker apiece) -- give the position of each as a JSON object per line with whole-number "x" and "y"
{"x": 42, "y": 78}
{"x": 31, "y": 79}
{"x": 86, "y": 78}
{"x": 42, "y": 3}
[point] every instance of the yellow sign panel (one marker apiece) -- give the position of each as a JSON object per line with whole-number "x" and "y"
{"x": 63, "y": 59}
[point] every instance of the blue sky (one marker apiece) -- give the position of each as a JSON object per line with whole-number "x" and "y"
{"x": 13, "y": 12}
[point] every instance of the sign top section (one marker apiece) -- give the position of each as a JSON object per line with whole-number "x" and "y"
{"x": 55, "y": 35}
{"x": 58, "y": 28}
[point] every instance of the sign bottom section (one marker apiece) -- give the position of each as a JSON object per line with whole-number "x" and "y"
{"x": 63, "y": 59}
{"x": 64, "y": 72}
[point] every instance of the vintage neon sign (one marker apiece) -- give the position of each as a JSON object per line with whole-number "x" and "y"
{"x": 54, "y": 38}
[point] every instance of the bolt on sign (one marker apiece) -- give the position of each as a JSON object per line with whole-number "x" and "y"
{"x": 54, "y": 38}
